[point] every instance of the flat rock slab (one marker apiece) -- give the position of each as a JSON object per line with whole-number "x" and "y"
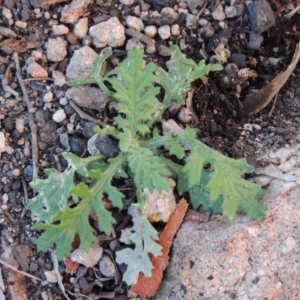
{"x": 245, "y": 259}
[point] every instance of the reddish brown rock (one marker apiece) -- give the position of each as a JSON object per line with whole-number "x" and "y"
{"x": 35, "y": 70}
{"x": 71, "y": 12}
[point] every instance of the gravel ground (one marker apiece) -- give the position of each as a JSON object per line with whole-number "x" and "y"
{"x": 50, "y": 42}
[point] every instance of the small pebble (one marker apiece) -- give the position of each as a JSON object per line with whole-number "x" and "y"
{"x": 59, "y": 116}
{"x": 60, "y": 29}
{"x": 175, "y": 29}
{"x": 135, "y": 23}
{"x": 21, "y": 24}
{"x": 16, "y": 185}
{"x": 134, "y": 43}
{"x": 20, "y": 124}
{"x": 164, "y": 32}
{"x": 48, "y": 97}
{"x": 81, "y": 27}
{"x": 150, "y": 31}
{"x": 35, "y": 70}
{"x": 107, "y": 267}
{"x": 218, "y": 14}
{"x": 50, "y": 276}
{"x": 59, "y": 78}
{"x": 16, "y": 172}
{"x": 230, "y": 11}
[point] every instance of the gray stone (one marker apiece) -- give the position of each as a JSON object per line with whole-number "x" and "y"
{"x": 218, "y": 14}
{"x": 194, "y": 4}
{"x": 107, "y": 267}
{"x": 105, "y": 145}
{"x": 170, "y": 13}
{"x": 164, "y": 32}
{"x": 255, "y": 41}
{"x": 135, "y": 23}
{"x": 110, "y": 32}
{"x": 134, "y": 43}
{"x": 164, "y": 51}
{"x": 261, "y": 15}
{"x": 86, "y": 96}
{"x": 56, "y": 49}
{"x": 82, "y": 60}
{"x": 245, "y": 259}
{"x": 59, "y": 78}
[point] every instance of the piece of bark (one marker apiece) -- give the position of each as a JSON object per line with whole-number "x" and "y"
{"x": 147, "y": 286}
{"x": 255, "y": 102}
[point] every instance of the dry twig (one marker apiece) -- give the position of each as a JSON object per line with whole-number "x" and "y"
{"x": 255, "y": 102}
{"x": 85, "y": 116}
{"x": 33, "y": 128}
{"x": 18, "y": 271}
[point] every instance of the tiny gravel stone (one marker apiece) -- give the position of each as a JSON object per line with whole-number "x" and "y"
{"x": 238, "y": 59}
{"x": 35, "y": 70}
{"x": 60, "y": 29}
{"x": 83, "y": 284}
{"x": 137, "y": 10}
{"x": 16, "y": 185}
{"x": 261, "y": 15}
{"x": 86, "y": 96}
{"x": 21, "y": 24}
{"x": 37, "y": 54}
{"x": 203, "y": 22}
{"x": 50, "y": 276}
{"x": 255, "y": 41}
{"x": 59, "y": 78}
{"x": 16, "y": 172}
{"x": 164, "y": 51}
{"x": 105, "y": 145}
{"x": 170, "y": 12}
{"x": 48, "y": 97}
{"x": 175, "y": 29}
{"x": 73, "y": 11}
{"x": 107, "y": 267}
{"x": 248, "y": 127}
{"x": 59, "y": 116}
{"x": 191, "y": 21}
{"x": 88, "y": 259}
{"x": 256, "y": 126}
{"x": 33, "y": 267}
{"x": 135, "y": 23}
{"x": 134, "y": 43}
{"x": 81, "y": 27}
{"x": 127, "y": 2}
{"x": 150, "y": 31}
{"x": 230, "y": 11}
{"x": 164, "y": 32}
{"x": 218, "y": 14}
{"x": 7, "y": 13}
{"x": 63, "y": 101}
{"x": 110, "y": 32}
{"x": 56, "y": 49}
{"x": 150, "y": 49}
{"x": 20, "y": 124}
{"x": 194, "y": 4}
{"x": 78, "y": 143}
{"x": 82, "y": 60}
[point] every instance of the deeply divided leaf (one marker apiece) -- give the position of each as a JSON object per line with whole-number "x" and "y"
{"x": 144, "y": 237}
